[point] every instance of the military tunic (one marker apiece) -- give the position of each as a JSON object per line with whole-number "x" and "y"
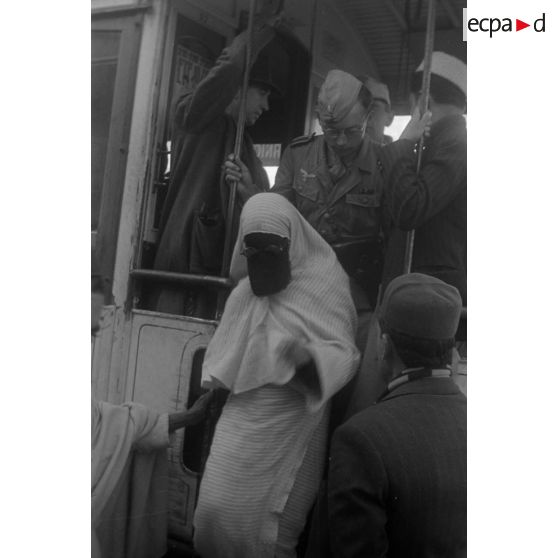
{"x": 341, "y": 206}
{"x": 344, "y": 205}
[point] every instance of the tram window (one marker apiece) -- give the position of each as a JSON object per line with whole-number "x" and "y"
{"x": 271, "y": 173}
{"x": 195, "y": 51}
{"x": 104, "y": 52}
{"x": 114, "y": 54}
{"x": 397, "y": 126}
{"x": 196, "y": 434}
{"x": 270, "y": 156}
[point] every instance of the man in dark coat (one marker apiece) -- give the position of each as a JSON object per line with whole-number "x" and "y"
{"x": 434, "y": 202}
{"x": 192, "y": 228}
{"x": 397, "y": 481}
{"x": 335, "y": 182}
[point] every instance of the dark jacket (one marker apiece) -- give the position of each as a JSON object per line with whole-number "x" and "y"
{"x": 192, "y": 228}
{"x": 434, "y": 203}
{"x": 397, "y": 481}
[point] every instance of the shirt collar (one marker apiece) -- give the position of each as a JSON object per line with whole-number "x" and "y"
{"x": 413, "y": 374}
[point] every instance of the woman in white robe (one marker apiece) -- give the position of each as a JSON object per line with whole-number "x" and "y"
{"x": 267, "y": 455}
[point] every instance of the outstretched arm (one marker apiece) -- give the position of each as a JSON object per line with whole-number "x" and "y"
{"x": 193, "y": 415}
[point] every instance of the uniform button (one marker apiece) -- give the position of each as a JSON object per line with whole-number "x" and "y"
{"x": 323, "y": 231}
{"x": 327, "y": 215}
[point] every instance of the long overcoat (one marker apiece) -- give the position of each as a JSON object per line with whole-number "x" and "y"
{"x": 192, "y": 228}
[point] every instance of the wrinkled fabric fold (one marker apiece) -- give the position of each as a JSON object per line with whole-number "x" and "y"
{"x": 128, "y": 481}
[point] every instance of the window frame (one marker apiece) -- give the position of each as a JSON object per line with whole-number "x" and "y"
{"x": 104, "y": 239}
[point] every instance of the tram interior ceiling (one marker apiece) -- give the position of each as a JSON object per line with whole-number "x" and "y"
{"x": 394, "y": 34}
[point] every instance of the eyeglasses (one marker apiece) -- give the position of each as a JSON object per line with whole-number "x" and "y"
{"x": 349, "y": 133}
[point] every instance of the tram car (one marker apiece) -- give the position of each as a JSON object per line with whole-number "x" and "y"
{"x": 144, "y": 52}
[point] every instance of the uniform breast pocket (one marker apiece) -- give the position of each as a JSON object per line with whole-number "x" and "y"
{"x": 307, "y": 191}
{"x": 363, "y": 200}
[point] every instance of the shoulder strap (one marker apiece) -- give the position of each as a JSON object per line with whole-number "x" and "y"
{"x": 302, "y": 140}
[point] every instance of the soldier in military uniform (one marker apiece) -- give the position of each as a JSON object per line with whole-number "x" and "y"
{"x": 335, "y": 181}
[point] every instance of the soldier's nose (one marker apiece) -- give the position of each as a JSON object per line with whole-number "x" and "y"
{"x": 341, "y": 139}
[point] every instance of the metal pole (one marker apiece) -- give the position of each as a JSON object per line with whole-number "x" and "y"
{"x": 233, "y": 186}
{"x": 240, "y": 124}
{"x": 425, "y": 94}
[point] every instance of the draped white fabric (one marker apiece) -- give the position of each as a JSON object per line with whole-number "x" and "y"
{"x": 261, "y": 340}
{"x": 267, "y": 455}
{"x": 118, "y": 518}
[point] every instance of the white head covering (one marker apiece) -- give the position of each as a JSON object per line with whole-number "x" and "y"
{"x": 450, "y": 68}
{"x": 261, "y": 340}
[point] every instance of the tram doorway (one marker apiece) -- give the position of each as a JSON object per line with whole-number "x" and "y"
{"x": 195, "y": 49}
{"x": 166, "y": 351}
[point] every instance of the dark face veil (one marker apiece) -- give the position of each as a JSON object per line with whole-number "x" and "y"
{"x": 269, "y": 267}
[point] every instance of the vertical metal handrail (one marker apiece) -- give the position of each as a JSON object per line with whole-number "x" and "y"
{"x": 425, "y": 94}
{"x": 240, "y": 125}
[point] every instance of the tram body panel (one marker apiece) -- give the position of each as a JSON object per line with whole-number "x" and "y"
{"x": 162, "y": 353}
{"x": 101, "y": 353}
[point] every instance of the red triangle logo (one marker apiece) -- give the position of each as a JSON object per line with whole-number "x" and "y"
{"x": 519, "y": 25}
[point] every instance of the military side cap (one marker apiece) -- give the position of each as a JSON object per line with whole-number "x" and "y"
{"x": 378, "y": 89}
{"x": 338, "y": 95}
{"x": 450, "y": 68}
{"x": 421, "y": 306}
